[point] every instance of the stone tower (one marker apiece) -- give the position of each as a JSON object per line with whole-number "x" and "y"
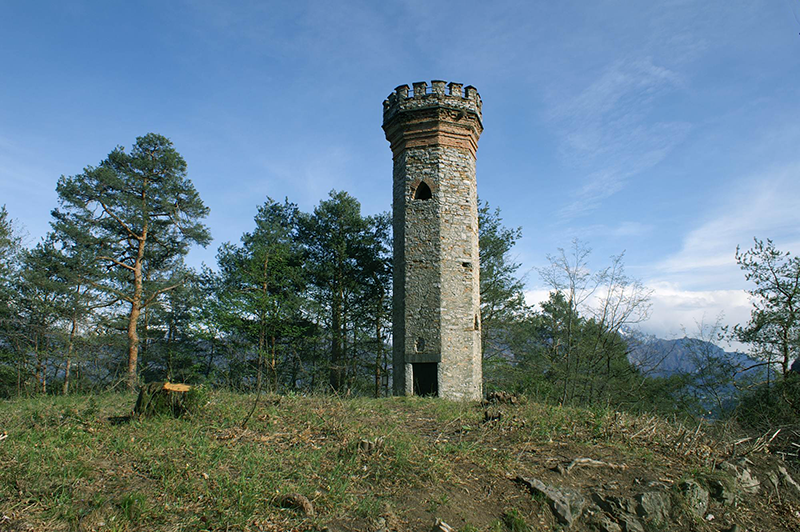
{"x": 433, "y": 132}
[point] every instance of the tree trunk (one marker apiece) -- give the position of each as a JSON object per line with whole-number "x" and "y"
{"x": 70, "y": 345}
{"x": 136, "y": 309}
{"x": 273, "y": 365}
{"x": 133, "y": 345}
{"x": 378, "y": 356}
{"x": 336, "y": 341}
{"x": 262, "y": 347}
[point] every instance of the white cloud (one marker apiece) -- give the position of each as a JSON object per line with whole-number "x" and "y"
{"x": 536, "y": 296}
{"x": 676, "y": 310}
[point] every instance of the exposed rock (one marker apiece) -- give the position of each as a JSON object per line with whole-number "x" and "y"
{"x": 696, "y": 497}
{"x": 745, "y": 481}
{"x": 630, "y": 523}
{"x": 586, "y": 462}
{"x": 786, "y": 479}
{"x": 774, "y": 480}
{"x": 600, "y": 521}
{"x": 653, "y": 506}
{"x": 722, "y": 490}
{"x": 614, "y": 505}
{"x": 606, "y": 524}
{"x": 623, "y": 510}
{"x": 567, "y": 504}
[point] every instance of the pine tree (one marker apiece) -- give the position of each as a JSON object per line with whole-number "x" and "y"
{"x": 337, "y": 240}
{"x": 261, "y": 285}
{"x": 10, "y": 362}
{"x": 135, "y": 214}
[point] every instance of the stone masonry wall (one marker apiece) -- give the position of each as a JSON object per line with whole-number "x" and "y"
{"x": 436, "y": 307}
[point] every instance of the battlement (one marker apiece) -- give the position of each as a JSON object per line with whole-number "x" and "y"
{"x": 439, "y": 114}
{"x": 436, "y": 94}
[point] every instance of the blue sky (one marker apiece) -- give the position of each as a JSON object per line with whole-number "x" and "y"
{"x": 668, "y": 130}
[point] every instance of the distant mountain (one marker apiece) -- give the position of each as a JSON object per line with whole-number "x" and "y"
{"x": 658, "y": 357}
{"x": 712, "y": 370}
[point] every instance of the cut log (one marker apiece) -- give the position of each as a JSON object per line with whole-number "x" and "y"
{"x": 163, "y": 398}
{"x": 172, "y": 387}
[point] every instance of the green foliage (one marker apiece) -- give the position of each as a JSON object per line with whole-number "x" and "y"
{"x": 502, "y": 292}
{"x": 514, "y": 521}
{"x": 83, "y": 463}
{"x": 348, "y": 267}
{"x": 774, "y": 328}
{"x": 773, "y": 334}
{"x": 171, "y": 332}
{"x": 136, "y": 215}
{"x": 770, "y": 404}
{"x": 260, "y": 287}
{"x": 571, "y": 351}
{"x": 10, "y": 246}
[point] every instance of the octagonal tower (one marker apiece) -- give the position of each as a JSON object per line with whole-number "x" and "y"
{"x": 433, "y": 132}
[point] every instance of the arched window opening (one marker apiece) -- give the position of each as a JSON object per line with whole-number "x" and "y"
{"x": 423, "y": 192}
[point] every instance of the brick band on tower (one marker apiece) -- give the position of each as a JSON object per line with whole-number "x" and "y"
{"x": 436, "y": 308}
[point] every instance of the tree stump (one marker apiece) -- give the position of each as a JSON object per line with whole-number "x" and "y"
{"x": 164, "y": 398}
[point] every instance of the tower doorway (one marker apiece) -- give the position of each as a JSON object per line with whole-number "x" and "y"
{"x": 426, "y": 378}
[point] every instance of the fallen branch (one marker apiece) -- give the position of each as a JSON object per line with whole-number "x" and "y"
{"x": 762, "y": 442}
{"x": 587, "y": 462}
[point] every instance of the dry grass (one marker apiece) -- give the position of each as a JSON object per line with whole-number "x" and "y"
{"x": 77, "y": 464}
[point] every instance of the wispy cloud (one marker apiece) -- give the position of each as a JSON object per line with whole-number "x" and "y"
{"x": 606, "y": 130}
{"x": 622, "y": 230}
{"x": 702, "y": 281}
{"x": 762, "y": 205}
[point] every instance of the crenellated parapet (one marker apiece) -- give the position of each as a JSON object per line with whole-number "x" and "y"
{"x": 443, "y": 114}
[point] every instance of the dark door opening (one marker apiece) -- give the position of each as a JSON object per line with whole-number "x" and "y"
{"x": 426, "y": 378}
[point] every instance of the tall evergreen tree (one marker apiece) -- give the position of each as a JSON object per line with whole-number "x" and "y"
{"x": 337, "y": 242}
{"x": 262, "y": 285}
{"x": 10, "y": 361}
{"x": 135, "y": 213}
{"x": 502, "y": 291}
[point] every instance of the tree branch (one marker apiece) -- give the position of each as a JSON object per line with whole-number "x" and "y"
{"x": 115, "y": 261}
{"x": 119, "y": 221}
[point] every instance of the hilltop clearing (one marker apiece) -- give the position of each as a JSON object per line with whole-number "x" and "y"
{"x": 396, "y": 464}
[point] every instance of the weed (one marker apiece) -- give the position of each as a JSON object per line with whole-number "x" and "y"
{"x": 497, "y": 526}
{"x": 133, "y": 506}
{"x": 514, "y": 521}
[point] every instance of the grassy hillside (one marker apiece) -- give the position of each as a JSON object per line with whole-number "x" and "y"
{"x": 311, "y": 463}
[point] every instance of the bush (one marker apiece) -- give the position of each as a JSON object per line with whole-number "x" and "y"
{"x": 771, "y": 405}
